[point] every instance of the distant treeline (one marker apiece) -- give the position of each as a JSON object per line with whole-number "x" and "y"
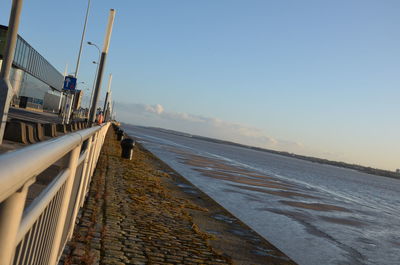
{"x": 368, "y": 170}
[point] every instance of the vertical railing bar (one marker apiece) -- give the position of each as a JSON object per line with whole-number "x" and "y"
{"x": 70, "y": 220}
{"x": 100, "y": 144}
{"x": 90, "y": 155}
{"x": 82, "y": 188}
{"x": 77, "y": 202}
{"x": 86, "y": 172}
{"x": 91, "y": 172}
{"x": 39, "y": 236}
{"x": 90, "y": 166}
{"x": 16, "y": 253}
{"x": 43, "y": 238}
{"x": 32, "y": 242}
{"x": 20, "y": 251}
{"x": 57, "y": 210}
{"x": 31, "y": 246}
{"x": 48, "y": 233}
{"x": 54, "y": 217}
{"x": 97, "y": 151}
{"x": 98, "y": 139}
{"x": 91, "y": 163}
{"x": 93, "y": 156}
{"x": 58, "y": 213}
{"x": 36, "y": 227}
{"x": 39, "y": 251}
{"x": 28, "y": 236}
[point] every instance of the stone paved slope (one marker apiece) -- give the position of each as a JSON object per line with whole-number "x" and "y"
{"x": 134, "y": 215}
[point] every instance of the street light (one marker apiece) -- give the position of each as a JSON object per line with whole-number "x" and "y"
{"x": 97, "y": 70}
{"x": 104, "y": 52}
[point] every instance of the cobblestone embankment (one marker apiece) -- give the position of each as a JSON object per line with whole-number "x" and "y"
{"x": 142, "y": 212}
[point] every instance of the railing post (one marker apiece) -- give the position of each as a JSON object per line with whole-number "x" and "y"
{"x": 80, "y": 196}
{"x": 10, "y": 218}
{"x": 87, "y": 169}
{"x": 98, "y": 143}
{"x": 93, "y": 158}
{"x": 72, "y": 164}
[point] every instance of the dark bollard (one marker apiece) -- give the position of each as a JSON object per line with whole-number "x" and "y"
{"x": 120, "y": 134}
{"x": 127, "y": 148}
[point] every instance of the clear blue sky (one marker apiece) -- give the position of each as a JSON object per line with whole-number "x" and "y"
{"x": 315, "y": 77}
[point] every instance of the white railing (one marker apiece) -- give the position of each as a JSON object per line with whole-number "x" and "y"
{"x": 35, "y": 230}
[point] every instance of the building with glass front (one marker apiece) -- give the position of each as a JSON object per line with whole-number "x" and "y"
{"x": 35, "y": 82}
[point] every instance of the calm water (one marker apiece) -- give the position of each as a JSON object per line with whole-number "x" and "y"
{"x": 316, "y": 214}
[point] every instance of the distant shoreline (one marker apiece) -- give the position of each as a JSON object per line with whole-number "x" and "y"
{"x": 363, "y": 169}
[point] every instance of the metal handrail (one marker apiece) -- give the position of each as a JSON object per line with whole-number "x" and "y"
{"x": 35, "y": 159}
{"x": 38, "y": 233}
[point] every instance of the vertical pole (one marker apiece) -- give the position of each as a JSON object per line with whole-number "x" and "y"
{"x": 101, "y": 66}
{"x": 107, "y": 97}
{"x": 108, "y": 107}
{"x": 70, "y": 108}
{"x": 10, "y": 217}
{"x": 62, "y": 93}
{"x": 83, "y": 37}
{"x": 64, "y": 107}
{"x": 60, "y": 101}
{"x": 94, "y": 83}
{"x": 69, "y": 99}
{"x": 113, "y": 110}
{"x": 5, "y": 86}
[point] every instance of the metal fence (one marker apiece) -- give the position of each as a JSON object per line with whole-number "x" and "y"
{"x": 35, "y": 230}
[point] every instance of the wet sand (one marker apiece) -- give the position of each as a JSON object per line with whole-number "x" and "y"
{"x": 345, "y": 216}
{"x": 227, "y": 234}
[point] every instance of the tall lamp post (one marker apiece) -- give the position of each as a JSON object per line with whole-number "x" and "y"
{"x": 97, "y": 71}
{"x": 79, "y": 55}
{"x": 94, "y": 83}
{"x": 106, "y": 100}
{"x": 104, "y": 53}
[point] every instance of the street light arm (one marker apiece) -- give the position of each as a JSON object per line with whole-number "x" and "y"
{"x": 95, "y": 45}
{"x": 97, "y": 70}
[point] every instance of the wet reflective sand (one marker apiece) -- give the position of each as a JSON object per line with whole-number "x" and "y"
{"x": 316, "y": 214}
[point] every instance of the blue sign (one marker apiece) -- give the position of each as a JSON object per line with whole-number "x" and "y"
{"x": 69, "y": 83}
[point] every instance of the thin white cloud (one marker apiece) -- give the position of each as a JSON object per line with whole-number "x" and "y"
{"x": 158, "y": 109}
{"x": 156, "y": 116}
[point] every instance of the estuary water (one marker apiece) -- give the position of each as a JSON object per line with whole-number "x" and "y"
{"x": 315, "y": 213}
